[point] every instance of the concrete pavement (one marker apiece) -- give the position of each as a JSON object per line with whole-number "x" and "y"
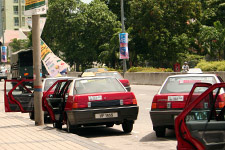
{"x": 18, "y": 132}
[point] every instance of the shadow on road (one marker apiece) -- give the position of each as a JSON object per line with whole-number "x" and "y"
{"x": 170, "y": 135}
{"x": 99, "y": 131}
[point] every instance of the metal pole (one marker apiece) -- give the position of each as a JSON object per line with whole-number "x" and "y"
{"x": 38, "y": 113}
{"x": 123, "y": 31}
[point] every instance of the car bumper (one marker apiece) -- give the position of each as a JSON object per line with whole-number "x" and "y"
{"x": 87, "y": 116}
{"x": 164, "y": 118}
{"x": 3, "y": 77}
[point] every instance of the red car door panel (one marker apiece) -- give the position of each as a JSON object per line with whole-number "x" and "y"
{"x": 206, "y": 129}
{"x": 17, "y": 96}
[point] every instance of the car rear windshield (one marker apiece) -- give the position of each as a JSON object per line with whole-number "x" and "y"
{"x": 111, "y": 74}
{"x": 184, "y": 84}
{"x": 98, "y": 85}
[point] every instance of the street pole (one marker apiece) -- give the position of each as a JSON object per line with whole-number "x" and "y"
{"x": 38, "y": 113}
{"x": 123, "y": 31}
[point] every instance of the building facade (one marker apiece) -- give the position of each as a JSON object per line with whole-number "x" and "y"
{"x": 13, "y": 15}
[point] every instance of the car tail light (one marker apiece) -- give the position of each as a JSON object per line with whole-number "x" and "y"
{"x": 134, "y": 101}
{"x": 129, "y": 102}
{"x": 153, "y": 105}
{"x": 79, "y": 105}
{"x": 26, "y": 74}
{"x": 221, "y": 104}
{"x": 6, "y": 71}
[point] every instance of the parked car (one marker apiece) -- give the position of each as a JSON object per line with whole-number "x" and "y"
{"x": 95, "y": 69}
{"x": 172, "y": 97}
{"x": 115, "y": 74}
{"x": 91, "y": 101}
{"x": 201, "y": 125}
{"x": 19, "y": 90}
{"x": 3, "y": 73}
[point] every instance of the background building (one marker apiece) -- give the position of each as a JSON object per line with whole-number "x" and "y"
{"x": 13, "y": 20}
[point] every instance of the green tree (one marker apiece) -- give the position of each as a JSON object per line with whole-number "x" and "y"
{"x": 80, "y": 30}
{"x": 18, "y": 44}
{"x": 212, "y": 40}
{"x": 166, "y": 27}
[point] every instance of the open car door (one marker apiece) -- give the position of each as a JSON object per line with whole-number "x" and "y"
{"x": 201, "y": 125}
{"x": 18, "y": 96}
{"x": 55, "y": 103}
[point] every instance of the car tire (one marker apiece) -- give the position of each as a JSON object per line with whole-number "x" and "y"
{"x": 160, "y": 131}
{"x": 108, "y": 125}
{"x": 70, "y": 128}
{"x": 127, "y": 126}
{"x": 31, "y": 114}
{"x": 57, "y": 125}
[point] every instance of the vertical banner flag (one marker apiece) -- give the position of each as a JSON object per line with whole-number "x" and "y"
{"x": 4, "y": 54}
{"x": 53, "y": 64}
{"x": 123, "y": 37}
{"x": 35, "y": 7}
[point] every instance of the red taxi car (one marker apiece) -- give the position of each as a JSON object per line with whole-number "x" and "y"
{"x": 201, "y": 125}
{"x": 91, "y": 101}
{"x": 172, "y": 97}
{"x": 85, "y": 101}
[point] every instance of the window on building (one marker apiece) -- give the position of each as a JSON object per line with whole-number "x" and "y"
{"x": 15, "y": 10}
{"x": 15, "y": 1}
{"x": 23, "y": 21}
{"x": 16, "y": 21}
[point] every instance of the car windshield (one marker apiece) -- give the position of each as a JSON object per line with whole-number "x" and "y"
{"x": 98, "y": 85}
{"x": 184, "y": 84}
{"x": 112, "y": 74}
{"x": 49, "y": 83}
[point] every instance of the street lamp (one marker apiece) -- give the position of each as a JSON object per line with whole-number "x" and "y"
{"x": 123, "y": 31}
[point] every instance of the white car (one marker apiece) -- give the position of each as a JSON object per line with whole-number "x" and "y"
{"x": 3, "y": 73}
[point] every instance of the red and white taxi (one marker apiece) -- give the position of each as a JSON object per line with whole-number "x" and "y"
{"x": 172, "y": 97}
{"x": 91, "y": 101}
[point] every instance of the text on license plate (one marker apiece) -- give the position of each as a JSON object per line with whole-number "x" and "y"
{"x": 175, "y": 98}
{"x": 106, "y": 115}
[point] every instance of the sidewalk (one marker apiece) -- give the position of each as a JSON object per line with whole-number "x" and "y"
{"x": 18, "y": 132}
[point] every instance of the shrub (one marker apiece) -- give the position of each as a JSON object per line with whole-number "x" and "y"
{"x": 211, "y": 66}
{"x": 149, "y": 69}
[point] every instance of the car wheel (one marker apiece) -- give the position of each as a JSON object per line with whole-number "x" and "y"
{"x": 57, "y": 125}
{"x": 70, "y": 128}
{"x": 160, "y": 131}
{"x": 108, "y": 125}
{"x": 127, "y": 126}
{"x": 31, "y": 114}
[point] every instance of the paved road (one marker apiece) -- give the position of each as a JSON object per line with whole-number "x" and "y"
{"x": 142, "y": 136}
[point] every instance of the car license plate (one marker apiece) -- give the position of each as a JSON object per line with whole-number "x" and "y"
{"x": 106, "y": 115}
{"x": 175, "y": 98}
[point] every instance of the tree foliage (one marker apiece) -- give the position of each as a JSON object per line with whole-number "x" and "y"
{"x": 161, "y": 32}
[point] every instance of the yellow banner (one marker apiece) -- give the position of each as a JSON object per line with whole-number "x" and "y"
{"x": 30, "y": 2}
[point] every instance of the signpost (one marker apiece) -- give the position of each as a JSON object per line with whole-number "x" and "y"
{"x": 35, "y": 8}
{"x": 123, "y": 50}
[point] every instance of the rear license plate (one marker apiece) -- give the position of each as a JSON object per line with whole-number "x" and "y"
{"x": 176, "y": 98}
{"x": 106, "y": 115}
